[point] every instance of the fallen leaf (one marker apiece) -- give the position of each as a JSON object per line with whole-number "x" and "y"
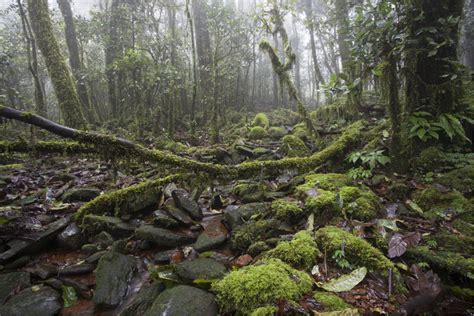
{"x": 397, "y": 246}
{"x": 346, "y": 282}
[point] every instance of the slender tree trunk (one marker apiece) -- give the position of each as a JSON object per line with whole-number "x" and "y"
{"x": 61, "y": 78}
{"x": 74, "y": 58}
{"x": 194, "y": 65}
{"x": 275, "y": 78}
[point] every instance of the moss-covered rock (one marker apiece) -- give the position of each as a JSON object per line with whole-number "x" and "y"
{"x": 287, "y": 210}
{"x": 257, "y": 248}
{"x": 325, "y": 181}
{"x": 277, "y": 133}
{"x": 265, "y": 311}
{"x": 252, "y": 232}
{"x": 260, "y": 285}
{"x": 261, "y": 120}
{"x": 430, "y": 159}
{"x": 440, "y": 204}
{"x": 293, "y": 146}
{"x": 357, "y": 250}
{"x": 330, "y": 301}
{"x": 249, "y": 191}
{"x": 461, "y": 179}
{"x": 357, "y": 203}
{"x": 257, "y": 132}
{"x": 300, "y": 252}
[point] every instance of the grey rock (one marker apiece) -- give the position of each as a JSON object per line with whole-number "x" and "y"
{"x": 179, "y": 215}
{"x": 236, "y": 215}
{"x": 95, "y": 256}
{"x": 71, "y": 237}
{"x": 12, "y": 281}
{"x": 143, "y": 300}
{"x": 81, "y": 195}
{"x": 163, "y": 237}
{"x": 163, "y": 256}
{"x": 200, "y": 269}
{"x": 94, "y": 224}
{"x": 162, "y": 219}
{"x": 89, "y": 249}
{"x": 77, "y": 269}
{"x": 113, "y": 274}
{"x": 214, "y": 235}
{"x": 184, "y": 202}
{"x": 41, "y": 302}
{"x": 184, "y": 300}
{"x": 103, "y": 240}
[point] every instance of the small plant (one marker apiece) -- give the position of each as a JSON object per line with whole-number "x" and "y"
{"x": 359, "y": 173}
{"x": 425, "y": 126}
{"x": 432, "y": 244}
{"x": 340, "y": 258}
{"x": 368, "y": 160}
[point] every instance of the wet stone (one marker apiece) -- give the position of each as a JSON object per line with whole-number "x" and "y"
{"x": 95, "y": 224}
{"x": 71, "y": 237}
{"x": 212, "y": 236}
{"x": 184, "y": 300}
{"x": 184, "y": 202}
{"x": 162, "y": 219}
{"x": 163, "y": 256}
{"x": 143, "y": 300}
{"x": 77, "y": 269}
{"x": 179, "y": 215}
{"x": 163, "y": 237}
{"x": 200, "y": 269}
{"x": 236, "y": 215}
{"x": 9, "y": 282}
{"x": 103, "y": 240}
{"x": 81, "y": 195}
{"x": 42, "y": 301}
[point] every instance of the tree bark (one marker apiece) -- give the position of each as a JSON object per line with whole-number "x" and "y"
{"x": 59, "y": 73}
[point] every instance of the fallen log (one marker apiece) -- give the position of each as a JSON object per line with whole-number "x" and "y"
{"x": 58, "y": 147}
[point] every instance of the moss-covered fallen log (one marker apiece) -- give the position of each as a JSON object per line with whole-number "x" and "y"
{"x": 120, "y": 147}
{"x": 59, "y": 147}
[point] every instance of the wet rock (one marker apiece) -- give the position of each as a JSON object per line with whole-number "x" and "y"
{"x": 103, "y": 240}
{"x": 213, "y": 235}
{"x": 184, "y": 300}
{"x": 95, "y": 256}
{"x": 184, "y": 202}
{"x": 162, "y": 219}
{"x": 10, "y": 282}
{"x": 179, "y": 215}
{"x": 163, "y": 237}
{"x": 63, "y": 177}
{"x": 200, "y": 269}
{"x": 81, "y": 195}
{"x": 43, "y": 270}
{"x": 163, "y": 256}
{"x": 71, "y": 237}
{"x": 113, "y": 274}
{"x": 94, "y": 224}
{"x": 77, "y": 269}
{"x": 81, "y": 308}
{"x": 236, "y": 215}
{"x": 89, "y": 249}
{"x": 17, "y": 263}
{"x": 19, "y": 247}
{"x": 143, "y": 300}
{"x": 42, "y": 301}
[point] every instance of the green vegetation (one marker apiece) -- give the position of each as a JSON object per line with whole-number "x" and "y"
{"x": 331, "y": 302}
{"x": 293, "y": 146}
{"x": 261, "y": 120}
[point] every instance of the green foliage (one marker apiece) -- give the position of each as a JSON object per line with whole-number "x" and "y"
{"x": 340, "y": 259}
{"x": 277, "y": 132}
{"x": 359, "y": 203}
{"x": 300, "y": 252}
{"x": 359, "y": 173}
{"x": 260, "y": 285}
{"x": 425, "y": 126}
{"x": 265, "y": 311}
{"x": 287, "y": 210}
{"x": 370, "y": 159}
{"x": 257, "y": 133}
{"x": 331, "y": 302}
{"x": 293, "y": 146}
{"x": 261, "y": 120}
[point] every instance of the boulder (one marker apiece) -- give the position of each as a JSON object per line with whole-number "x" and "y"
{"x": 163, "y": 237}
{"x": 113, "y": 275}
{"x": 236, "y": 215}
{"x": 42, "y": 301}
{"x": 184, "y": 300}
{"x": 143, "y": 300}
{"x": 81, "y": 194}
{"x": 94, "y": 224}
{"x": 184, "y": 202}
{"x": 71, "y": 237}
{"x": 179, "y": 215}
{"x": 163, "y": 219}
{"x": 213, "y": 235}
{"x": 200, "y": 269}
{"x": 10, "y": 282}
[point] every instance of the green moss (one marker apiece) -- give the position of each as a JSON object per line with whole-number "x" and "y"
{"x": 324, "y": 205}
{"x": 261, "y": 120}
{"x": 437, "y": 204}
{"x": 265, "y": 311}
{"x": 462, "y": 293}
{"x": 300, "y": 252}
{"x": 252, "y": 232}
{"x": 357, "y": 250}
{"x": 287, "y": 210}
{"x": 461, "y": 179}
{"x": 359, "y": 204}
{"x": 446, "y": 240}
{"x": 277, "y": 133}
{"x": 249, "y": 191}
{"x": 300, "y": 131}
{"x": 464, "y": 227}
{"x": 259, "y": 285}
{"x": 325, "y": 181}
{"x": 257, "y": 132}
{"x": 430, "y": 159}
{"x": 293, "y": 146}
{"x": 331, "y": 302}
{"x": 257, "y": 248}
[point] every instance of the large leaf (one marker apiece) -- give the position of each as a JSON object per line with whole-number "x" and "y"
{"x": 346, "y": 282}
{"x": 397, "y": 246}
{"x": 69, "y": 296}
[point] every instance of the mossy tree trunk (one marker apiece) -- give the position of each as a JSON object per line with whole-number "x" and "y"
{"x": 74, "y": 59}
{"x": 58, "y": 70}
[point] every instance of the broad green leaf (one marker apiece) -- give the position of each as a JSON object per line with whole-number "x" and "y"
{"x": 69, "y": 296}
{"x": 346, "y": 282}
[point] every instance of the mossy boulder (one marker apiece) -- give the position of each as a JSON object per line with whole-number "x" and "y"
{"x": 330, "y": 301}
{"x": 200, "y": 269}
{"x": 300, "y": 252}
{"x": 293, "y": 146}
{"x": 357, "y": 250}
{"x": 436, "y": 203}
{"x": 287, "y": 210}
{"x": 277, "y": 132}
{"x": 264, "y": 311}
{"x": 257, "y": 133}
{"x": 249, "y": 191}
{"x": 359, "y": 203}
{"x": 260, "y": 285}
{"x": 261, "y": 120}
{"x": 461, "y": 179}
{"x": 253, "y": 231}
{"x": 325, "y": 181}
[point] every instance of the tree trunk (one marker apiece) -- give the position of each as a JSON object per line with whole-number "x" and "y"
{"x": 194, "y": 66}
{"x": 61, "y": 78}
{"x": 74, "y": 59}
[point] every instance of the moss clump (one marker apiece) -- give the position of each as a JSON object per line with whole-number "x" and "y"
{"x": 250, "y": 233}
{"x": 287, "y": 210}
{"x": 300, "y": 131}
{"x": 325, "y": 181}
{"x": 323, "y": 204}
{"x": 437, "y": 204}
{"x": 293, "y": 146}
{"x": 257, "y": 132}
{"x": 277, "y": 132}
{"x": 359, "y": 204}
{"x": 357, "y": 250}
{"x": 331, "y": 302}
{"x": 259, "y": 285}
{"x": 265, "y": 311}
{"x": 464, "y": 227}
{"x": 430, "y": 159}
{"x": 300, "y": 252}
{"x": 461, "y": 179}
{"x": 249, "y": 191}
{"x": 257, "y": 248}
{"x": 261, "y": 120}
